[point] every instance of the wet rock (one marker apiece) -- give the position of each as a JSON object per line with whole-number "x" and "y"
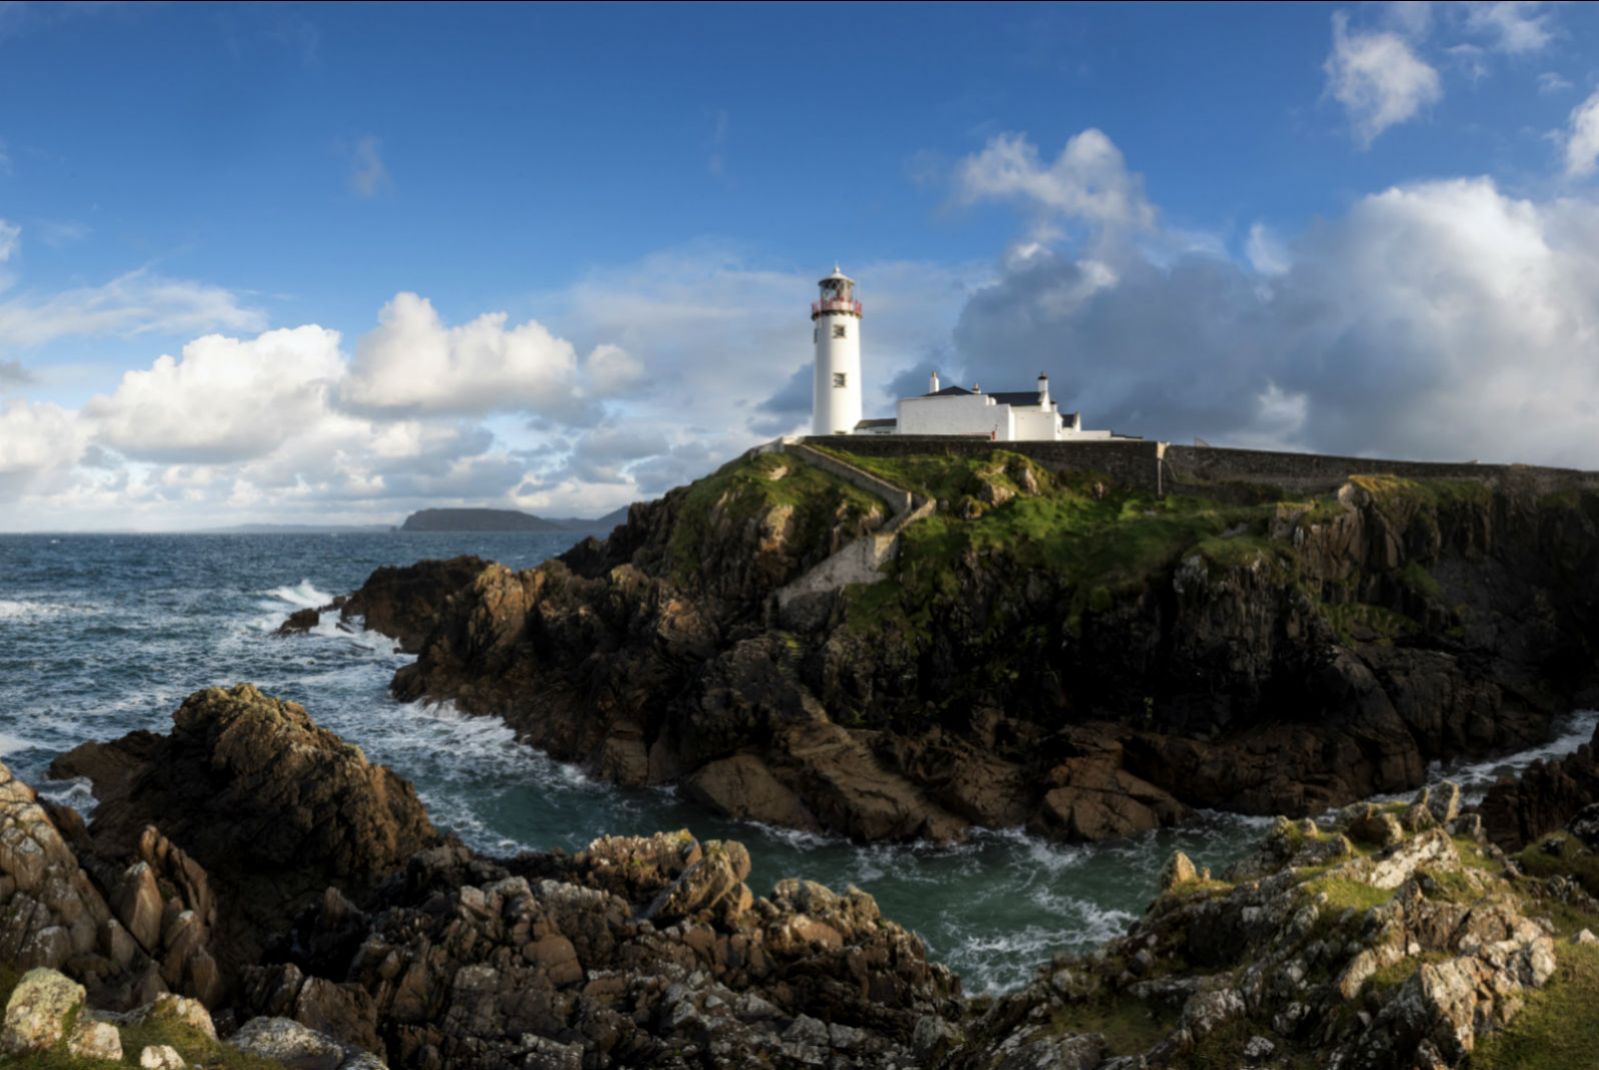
{"x": 1543, "y": 798}
{"x": 300, "y": 622}
{"x": 407, "y": 603}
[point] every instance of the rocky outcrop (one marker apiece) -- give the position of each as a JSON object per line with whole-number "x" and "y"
{"x": 1309, "y": 950}
{"x": 309, "y": 896}
{"x": 52, "y": 913}
{"x": 1059, "y": 654}
{"x": 1543, "y": 798}
{"x": 48, "y": 1017}
{"x": 211, "y": 839}
{"x": 1396, "y": 936}
{"x": 407, "y": 603}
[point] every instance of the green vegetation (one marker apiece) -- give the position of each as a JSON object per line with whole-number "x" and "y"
{"x": 1572, "y": 860}
{"x": 1418, "y": 580}
{"x": 1557, "y": 1029}
{"x": 747, "y": 488}
{"x": 1097, "y": 543}
{"x": 1364, "y": 622}
{"x": 1129, "y": 1026}
{"x": 1345, "y": 893}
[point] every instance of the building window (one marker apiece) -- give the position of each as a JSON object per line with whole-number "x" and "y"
{"x": 838, "y": 379}
{"x": 840, "y": 330}
{"x": 816, "y": 335}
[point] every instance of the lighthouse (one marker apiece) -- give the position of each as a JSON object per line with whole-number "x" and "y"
{"x": 836, "y": 333}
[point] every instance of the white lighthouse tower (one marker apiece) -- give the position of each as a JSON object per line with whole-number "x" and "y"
{"x": 836, "y": 330}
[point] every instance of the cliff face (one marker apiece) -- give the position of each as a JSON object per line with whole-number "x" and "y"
{"x": 1081, "y": 658}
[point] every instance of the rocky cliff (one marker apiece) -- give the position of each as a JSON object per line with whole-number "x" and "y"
{"x": 1046, "y": 650}
{"x": 1388, "y": 937}
{"x": 258, "y": 863}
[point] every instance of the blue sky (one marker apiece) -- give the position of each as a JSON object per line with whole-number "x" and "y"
{"x": 1304, "y": 226}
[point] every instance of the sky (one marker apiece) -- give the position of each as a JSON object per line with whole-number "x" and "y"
{"x": 331, "y": 264}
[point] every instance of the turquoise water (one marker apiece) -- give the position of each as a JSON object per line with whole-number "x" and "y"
{"x": 100, "y": 635}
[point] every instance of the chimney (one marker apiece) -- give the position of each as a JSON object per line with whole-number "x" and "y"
{"x": 932, "y": 383}
{"x": 1043, "y": 390}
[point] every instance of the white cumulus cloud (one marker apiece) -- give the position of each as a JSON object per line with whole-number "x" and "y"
{"x": 1087, "y": 181}
{"x": 1378, "y": 78}
{"x": 1582, "y": 138}
{"x": 414, "y": 363}
{"x": 225, "y": 399}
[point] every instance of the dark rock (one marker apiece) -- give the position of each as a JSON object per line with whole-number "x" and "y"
{"x": 407, "y": 603}
{"x": 1543, "y": 798}
{"x": 655, "y": 657}
{"x": 214, "y": 838}
{"x": 300, "y": 622}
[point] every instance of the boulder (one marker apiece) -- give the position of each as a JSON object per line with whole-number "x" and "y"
{"x": 286, "y": 1041}
{"x": 160, "y": 1057}
{"x": 95, "y": 1040}
{"x": 38, "y": 1011}
{"x": 1179, "y": 869}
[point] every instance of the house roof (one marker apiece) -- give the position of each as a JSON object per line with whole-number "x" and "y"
{"x": 889, "y": 422}
{"x": 1015, "y": 397}
{"x": 948, "y": 392}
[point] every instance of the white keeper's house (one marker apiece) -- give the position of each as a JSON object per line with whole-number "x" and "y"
{"x": 1002, "y": 416}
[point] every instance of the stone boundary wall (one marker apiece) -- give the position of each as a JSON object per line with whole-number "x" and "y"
{"x": 1135, "y": 462}
{"x": 1193, "y": 467}
{"x": 899, "y": 499}
{"x": 1160, "y": 468}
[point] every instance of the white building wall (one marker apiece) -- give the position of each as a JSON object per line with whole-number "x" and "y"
{"x": 835, "y": 407}
{"x": 1035, "y": 424}
{"x": 956, "y": 414}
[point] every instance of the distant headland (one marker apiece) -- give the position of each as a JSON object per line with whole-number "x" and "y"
{"x": 507, "y": 520}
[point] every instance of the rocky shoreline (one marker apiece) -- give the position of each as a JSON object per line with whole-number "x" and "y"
{"x": 299, "y": 901}
{"x": 1047, "y": 651}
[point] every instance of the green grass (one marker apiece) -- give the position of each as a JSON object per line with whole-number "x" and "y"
{"x": 1364, "y": 622}
{"x": 1223, "y": 1049}
{"x": 1574, "y": 860}
{"x": 749, "y": 487}
{"x": 1418, "y": 580}
{"x": 1558, "y": 1028}
{"x": 1129, "y": 1026}
{"x": 1345, "y": 893}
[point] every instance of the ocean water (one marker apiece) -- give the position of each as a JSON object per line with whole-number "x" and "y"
{"x": 103, "y": 634}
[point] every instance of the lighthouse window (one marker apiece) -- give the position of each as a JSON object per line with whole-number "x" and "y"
{"x": 838, "y": 379}
{"x": 840, "y": 330}
{"x": 816, "y": 334}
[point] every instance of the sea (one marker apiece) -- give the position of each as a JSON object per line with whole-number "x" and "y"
{"x": 104, "y": 634}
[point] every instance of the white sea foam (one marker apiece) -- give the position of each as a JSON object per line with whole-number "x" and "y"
{"x": 10, "y": 744}
{"x": 305, "y": 595}
{"x": 1477, "y": 777}
{"x": 28, "y": 611}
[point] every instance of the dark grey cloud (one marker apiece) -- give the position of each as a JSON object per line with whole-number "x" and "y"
{"x": 1441, "y": 320}
{"x": 787, "y": 408}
